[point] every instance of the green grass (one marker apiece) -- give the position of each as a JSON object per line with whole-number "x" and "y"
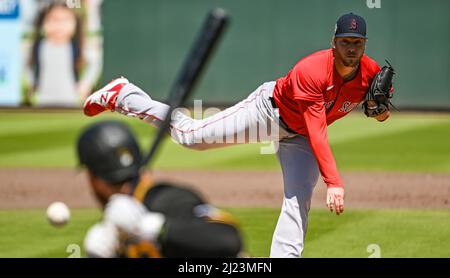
{"x": 26, "y": 233}
{"x": 406, "y": 142}
{"x": 399, "y": 233}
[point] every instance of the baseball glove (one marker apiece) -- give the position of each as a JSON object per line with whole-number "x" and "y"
{"x": 378, "y": 96}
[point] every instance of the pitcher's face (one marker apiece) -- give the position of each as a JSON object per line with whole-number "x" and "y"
{"x": 349, "y": 50}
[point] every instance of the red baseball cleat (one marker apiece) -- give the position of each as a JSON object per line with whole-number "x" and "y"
{"x": 105, "y": 98}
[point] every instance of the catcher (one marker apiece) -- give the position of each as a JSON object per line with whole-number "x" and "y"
{"x": 293, "y": 111}
{"x": 143, "y": 219}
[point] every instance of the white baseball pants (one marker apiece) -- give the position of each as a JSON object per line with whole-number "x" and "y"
{"x": 252, "y": 120}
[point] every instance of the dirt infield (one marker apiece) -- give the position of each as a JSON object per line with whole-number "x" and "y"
{"x": 36, "y": 188}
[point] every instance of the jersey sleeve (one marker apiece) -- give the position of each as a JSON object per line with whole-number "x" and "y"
{"x": 307, "y": 83}
{"x": 316, "y": 126}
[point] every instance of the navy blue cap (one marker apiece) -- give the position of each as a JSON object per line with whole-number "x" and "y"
{"x": 350, "y": 25}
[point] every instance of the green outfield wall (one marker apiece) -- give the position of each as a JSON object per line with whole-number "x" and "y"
{"x": 147, "y": 40}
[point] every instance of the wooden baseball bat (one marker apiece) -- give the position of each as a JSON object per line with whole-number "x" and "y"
{"x": 208, "y": 37}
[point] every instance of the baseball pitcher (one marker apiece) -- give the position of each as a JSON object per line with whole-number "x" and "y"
{"x": 320, "y": 89}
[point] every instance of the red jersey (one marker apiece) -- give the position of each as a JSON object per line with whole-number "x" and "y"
{"x": 313, "y": 95}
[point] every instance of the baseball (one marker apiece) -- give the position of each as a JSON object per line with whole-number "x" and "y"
{"x": 58, "y": 214}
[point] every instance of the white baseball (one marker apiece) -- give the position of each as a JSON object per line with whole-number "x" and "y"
{"x": 58, "y": 214}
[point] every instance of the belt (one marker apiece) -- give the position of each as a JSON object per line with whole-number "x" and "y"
{"x": 282, "y": 123}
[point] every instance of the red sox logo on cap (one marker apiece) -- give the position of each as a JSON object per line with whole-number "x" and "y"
{"x": 353, "y": 25}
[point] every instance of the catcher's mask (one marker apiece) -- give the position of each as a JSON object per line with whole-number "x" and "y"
{"x": 110, "y": 151}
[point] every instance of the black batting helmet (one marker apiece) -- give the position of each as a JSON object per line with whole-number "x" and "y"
{"x": 110, "y": 151}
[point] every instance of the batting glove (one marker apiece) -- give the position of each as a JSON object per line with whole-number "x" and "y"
{"x": 131, "y": 217}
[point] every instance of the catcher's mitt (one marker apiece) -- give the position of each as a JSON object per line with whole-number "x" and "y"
{"x": 378, "y": 96}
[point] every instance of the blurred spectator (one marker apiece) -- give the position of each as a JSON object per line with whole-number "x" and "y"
{"x": 63, "y": 66}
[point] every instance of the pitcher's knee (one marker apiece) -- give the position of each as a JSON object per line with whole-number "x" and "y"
{"x": 301, "y": 191}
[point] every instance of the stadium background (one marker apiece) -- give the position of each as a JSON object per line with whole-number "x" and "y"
{"x": 398, "y": 190}
{"x": 266, "y": 38}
